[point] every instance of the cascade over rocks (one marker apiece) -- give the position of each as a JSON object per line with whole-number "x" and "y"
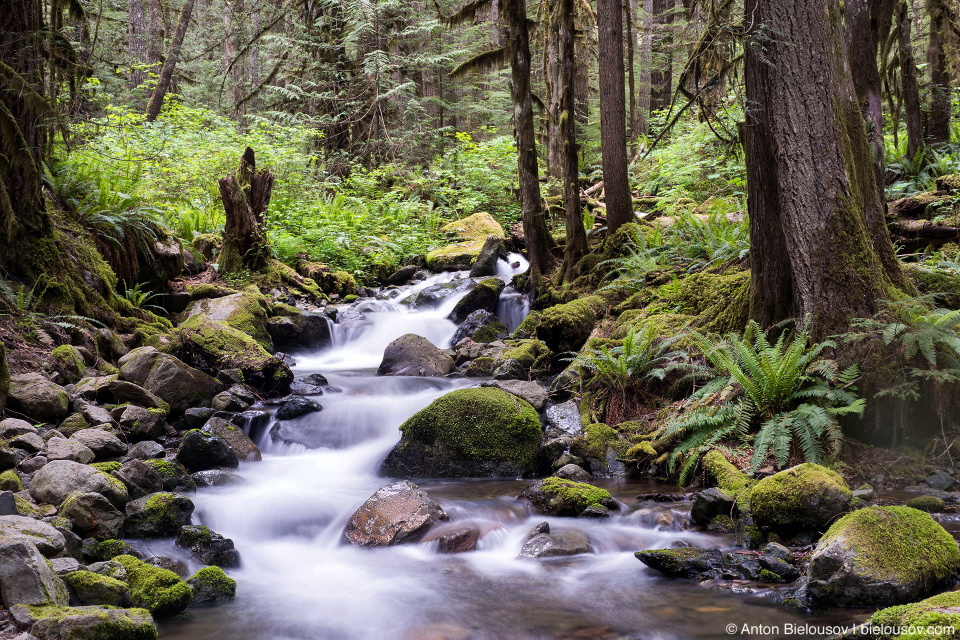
{"x": 396, "y": 513}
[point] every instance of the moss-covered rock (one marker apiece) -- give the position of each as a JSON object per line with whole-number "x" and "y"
{"x": 211, "y": 585}
{"x": 807, "y": 496}
{"x": 525, "y": 352}
{"x": 174, "y": 381}
{"x": 566, "y": 327}
{"x": 215, "y": 346}
{"x": 108, "y": 550}
{"x": 469, "y": 432}
{"x": 89, "y": 588}
{"x": 158, "y": 515}
{"x": 686, "y": 562}
{"x": 482, "y": 327}
{"x": 245, "y": 311}
{"x": 174, "y": 477}
{"x": 68, "y": 364}
{"x": 559, "y": 497}
{"x": 528, "y": 328}
{"x": 928, "y": 504}
{"x": 160, "y": 591}
{"x": 881, "y": 556}
{"x": 10, "y": 481}
{"x": 89, "y": 623}
{"x": 474, "y": 227}
{"x": 930, "y": 618}
{"x": 483, "y": 297}
{"x": 33, "y": 395}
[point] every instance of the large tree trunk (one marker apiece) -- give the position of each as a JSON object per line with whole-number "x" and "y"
{"x": 136, "y": 41}
{"x": 661, "y": 74}
{"x": 576, "y": 245}
{"x": 553, "y": 93}
{"x": 613, "y": 134}
{"x": 938, "y": 124}
{"x": 173, "y": 55}
{"x": 246, "y": 195}
{"x": 912, "y": 107}
{"x": 868, "y": 22}
{"x": 809, "y": 173}
{"x": 540, "y": 244}
{"x": 154, "y": 36}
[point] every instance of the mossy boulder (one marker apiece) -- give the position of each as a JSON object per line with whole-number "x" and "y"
{"x": 158, "y": 515}
{"x": 474, "y": 227}
{"x": 245, "y": 311}
{"x": 160, "y": 591}
{"x": 174, "y": 381}
{"x": 108, "y": 550}
{"x": 33, "y": 395}
{"x": 89, "y": 623}
{"x": 56, "y": 480}
{"x": 172, "y": 474}
{"x": 469, "y": 432}
{"x": 202, "y": 450}
{"x": 10, "y": 481}
{"x": 881, "y": 556}
{"x": 211, "y": 585}
{"x": 208, "y": 547}
{"x": 559, "y": 497}
{"x": 483, "y": 297}
{"x": 481, "y": 326}
{"x": 566, "y": 327}
{"x": 687, "y": 562}
{"x": 804, "y": 497}
{"x": 728, "y": 477}
{"x": 215, "y": 346}
{"x": 68, "y": 364}
{"x": 928, "y": 504}
{"x": 87, "y": 587}
{"x": 929, "y": 618}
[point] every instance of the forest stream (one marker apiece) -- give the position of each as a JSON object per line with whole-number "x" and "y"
{"x": 299, "y": 580}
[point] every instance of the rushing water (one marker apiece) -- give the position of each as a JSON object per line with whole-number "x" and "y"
{"x": 299, "y": 581}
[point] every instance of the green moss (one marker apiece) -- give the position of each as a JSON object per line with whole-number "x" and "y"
{"x": 597, "y": 437}
{"x": 893, "y": 543}
{"x": 10, "y": 481}
{"x": 107, "y": 467}
{"x": 88, "y": 581}
{"x": 479, "y": 367}
{"x": 769, "y": 576}
{"x": 69, "y": 363}
{"x": 566, "y": 327}
{"x": 490, "y": 331}
{"x": 785, "y": 497}
{"x": 110, "y": 549}
{"x": 208, "y": 290}
{"x": 525, "y": 352}
{"x": 928, "y": 504}
{"x": 578, "y": 495}
{"x": 219, "y": 346}
{"x": 213, "y": 583}
{"x": 25, "y": 507}
{"x": 194, "y": 534}
{"x": 454, "y": 257}
{"x": 484, "y": 424}
{"x": 939, "y": 611}
{"x": 475, "y": 227}
{"x": 730, "y": 479}
{"x": 934, "y": 281}
{"x": 4, "y": 377}
{"x": 642, "y": 450}
{"x": 159, "y": 590}
{"x": 351, "y": 298}
{"x": 113, "y": 623}
{"x": 528, "y": 328}
{"x": 719, "y": 302}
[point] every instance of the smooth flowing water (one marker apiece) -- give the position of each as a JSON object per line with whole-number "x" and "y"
{"x": 300, "y": 581}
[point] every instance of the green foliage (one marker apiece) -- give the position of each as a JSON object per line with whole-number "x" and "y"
{"x": 141, "y": 299}
{"x": 643, "y": 356}
{"x": 784, "y": 390}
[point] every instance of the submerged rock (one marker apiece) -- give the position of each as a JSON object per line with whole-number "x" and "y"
{"x": 481, "y": 432}
{"x": 396, "y": 513}
{"x": 881, "y": 556}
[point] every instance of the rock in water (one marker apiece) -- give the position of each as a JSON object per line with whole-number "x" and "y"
{"x": 568, "y": 542}
{"x": 483, "y": 297}
{"x": 486, "y": 262}
{"x": 396, "y": 513}
{"x": 211, "y": 584}
{"x": 807, "y": 496}
{"x": 559, "y": 497}
{"x": 881, "y": 556}
{"x": 687, "y": 562}
{"x": 467, "y": 433}
{"x": 481, "y": 326}
{"x": 413, "y": 355}
{"x": 296, "y": 407}
{"x": 209, "y": 547}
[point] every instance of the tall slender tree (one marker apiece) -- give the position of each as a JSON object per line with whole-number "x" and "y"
{"x": 661, "y": 73}
{"x": 136, "y": 41}
{"x": 173, "y": 56}
{"x": 939, "y": 42}
{"x": 613, "y": 134}
{"x": 910, "y": 84}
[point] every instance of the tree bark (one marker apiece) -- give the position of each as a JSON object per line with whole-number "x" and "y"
{"x": 867, "y": 23}
{"x": 136, "y": 41}
{"x": 540, "y": 244}
{"x": 661, "y": 73}
{"x": 154, "y": 36}
{"x": 613, "y": 134}
{"x": 245, "y": 195}
{"x": 809, "y": 174}
{"x": 630, "y": 7}
{"x": 646, "y": 56}
{"x": 938, "y": 124}
{"x": 173, "y": 55}
{"x": 912, "y": 108}
{"x": 576, "y": 245}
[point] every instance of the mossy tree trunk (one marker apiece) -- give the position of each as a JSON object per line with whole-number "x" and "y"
{"x": 245, "y": 195}
{"x": 910, "y": 86}
{"x": 819, "y": 249}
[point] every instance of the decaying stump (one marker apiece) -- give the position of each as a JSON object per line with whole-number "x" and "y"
{"x": 245, "y": 195}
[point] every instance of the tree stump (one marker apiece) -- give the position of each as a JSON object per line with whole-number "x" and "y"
{"x": 245, "y": 195}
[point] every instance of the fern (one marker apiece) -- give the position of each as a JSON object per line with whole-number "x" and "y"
{"x": 643, "y": 356}
{"x": 784, "y": 390}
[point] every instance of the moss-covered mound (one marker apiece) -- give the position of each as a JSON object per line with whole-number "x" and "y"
{"x": 925, "y": 616}
{"x": 160, "y": 591}
{"x": 566, "y": 327}
{"x": 468, "y": 433}
{"x": 930, "y": 504}
{"x": 91, "y": 623}
{"x": 245, "y": 311}
{"x": 560, "y": 497}
{"x": 807, "y": 496}
{"x": 881, "y": 556}
{"x": 730, "y": 479}
{"x": 212, "y": 345}
{"x": 210, "y": 585}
